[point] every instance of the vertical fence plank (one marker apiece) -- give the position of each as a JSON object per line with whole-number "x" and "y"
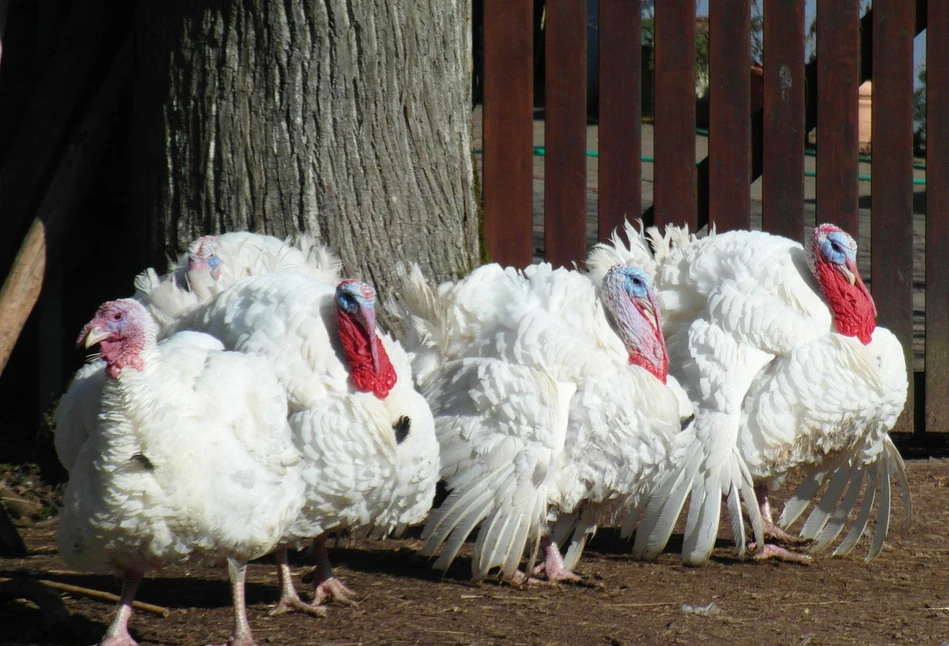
{"x": 674, "y": 132}
{"x": 620, "y": 134}
{"x": 565, "y": 132}
{"x": 891, "y": 230}
{"x": 508, "y": 130}
{"x": 937, "y": 218}
{"x": 782, "y": 183}
{"x": 837, "y": 131}
{"x": 729, "y": 140}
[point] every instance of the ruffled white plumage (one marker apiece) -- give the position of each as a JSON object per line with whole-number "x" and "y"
{"x": 190, "y": 456}
{"x": 538, "y": 413}
{"x": 77, "y": 412}
{"x": 775, "y": 386}
{"x": 357, "y": 475}
{"x": 242, "y": 254}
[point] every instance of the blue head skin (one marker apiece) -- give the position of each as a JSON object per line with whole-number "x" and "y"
{"x": 832, "y": 258}
{"x": 841, "y": 250}
{"x": 634, "y": 313}
{"x": 357, "y": 300}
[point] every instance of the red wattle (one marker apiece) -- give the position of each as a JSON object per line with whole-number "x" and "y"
{"x": 117, "y": 357}
{"x": 659, "y": 372}
{"x": 358, "y": 349}
{"x": 852, "y": 306}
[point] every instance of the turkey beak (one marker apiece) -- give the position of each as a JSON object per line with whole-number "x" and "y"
{"x": 91, "y": 335}
{"x": 369, "y": 320}
{"x": 848, "y": 273}
{"x": 648, "y": 308}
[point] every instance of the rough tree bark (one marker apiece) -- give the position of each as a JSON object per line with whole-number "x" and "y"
{"x": 348, "y": 119}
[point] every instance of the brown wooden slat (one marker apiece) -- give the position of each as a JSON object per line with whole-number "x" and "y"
{"x": 837, "y": 83}
{"x": 891, "y": 231}
{"x": 937, "y": 218}
{"x": 729, "y": 141}
{"x": 508, "y": 130}
{"x": 565, "y": 132}
{"x": 675, "y": 188}
{"x": 620, "y": 132}
{"x": 782, "y": 183}
{"x": 810, "y": 114}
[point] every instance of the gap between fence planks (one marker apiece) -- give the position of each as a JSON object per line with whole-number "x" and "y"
{"x": 87, "y": 144}
{"x": 810, "y": 114}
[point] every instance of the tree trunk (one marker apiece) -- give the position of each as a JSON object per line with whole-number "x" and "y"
{"x": 348, "y": 119}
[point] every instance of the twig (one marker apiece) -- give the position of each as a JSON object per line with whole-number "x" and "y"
{"x": 642, "y": 605}
{"x": 99, "y": 594}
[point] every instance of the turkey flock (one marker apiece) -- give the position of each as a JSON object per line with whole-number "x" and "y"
{"x": 246, "y": 403}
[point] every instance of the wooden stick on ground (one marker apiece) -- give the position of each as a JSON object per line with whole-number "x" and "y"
{"x": 101, "y": 595}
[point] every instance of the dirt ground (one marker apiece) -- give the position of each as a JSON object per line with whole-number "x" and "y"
{"x": 900, "y": 598}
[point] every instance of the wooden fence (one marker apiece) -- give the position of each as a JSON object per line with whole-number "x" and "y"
{"x": 769, "y": 144}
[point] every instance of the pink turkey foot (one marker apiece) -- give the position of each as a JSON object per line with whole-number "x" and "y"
{"x": 781, "y": 537}
{"x": 552, "y": 568}
{"x": 118, "y": 637}
{"x": 289, "y": 599}
{"x": 326, "y": 587}
{"x": 118, "y": 631}
{"x": 332, "y": 589}
{"x": 778, "y": 535}
{"x": 770, "y": 551}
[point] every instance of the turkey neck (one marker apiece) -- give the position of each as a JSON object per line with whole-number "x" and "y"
{"x": 129, "y": 351}
{"x": 642, "y": 336}
{"x": 358, "y": 348}
{"x": 852, "y": 305}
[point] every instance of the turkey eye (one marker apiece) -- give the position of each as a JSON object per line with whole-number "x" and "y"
{"x": 117, "y": 316}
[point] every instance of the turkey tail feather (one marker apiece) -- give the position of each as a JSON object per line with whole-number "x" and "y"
{"x": 883, "y": 509}
{"x": 862, "y": 518}
{"x": 825, "y": 506}
{"x": 833, "y": 528}
{"x": 899, "y": 467}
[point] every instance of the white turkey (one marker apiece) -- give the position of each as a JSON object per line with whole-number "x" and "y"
{"x": 214, "y": 263}
{"x": 366, "y": 436}
{"x": 778, "y": 348}
{"x": 551, "y": 408}
{"x": 190, "y": 457}
{"x": 77, "y": 413}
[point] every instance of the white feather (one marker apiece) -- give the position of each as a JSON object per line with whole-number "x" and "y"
{"x": 538, "y": 413}
{"x": 775, "y": 387}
